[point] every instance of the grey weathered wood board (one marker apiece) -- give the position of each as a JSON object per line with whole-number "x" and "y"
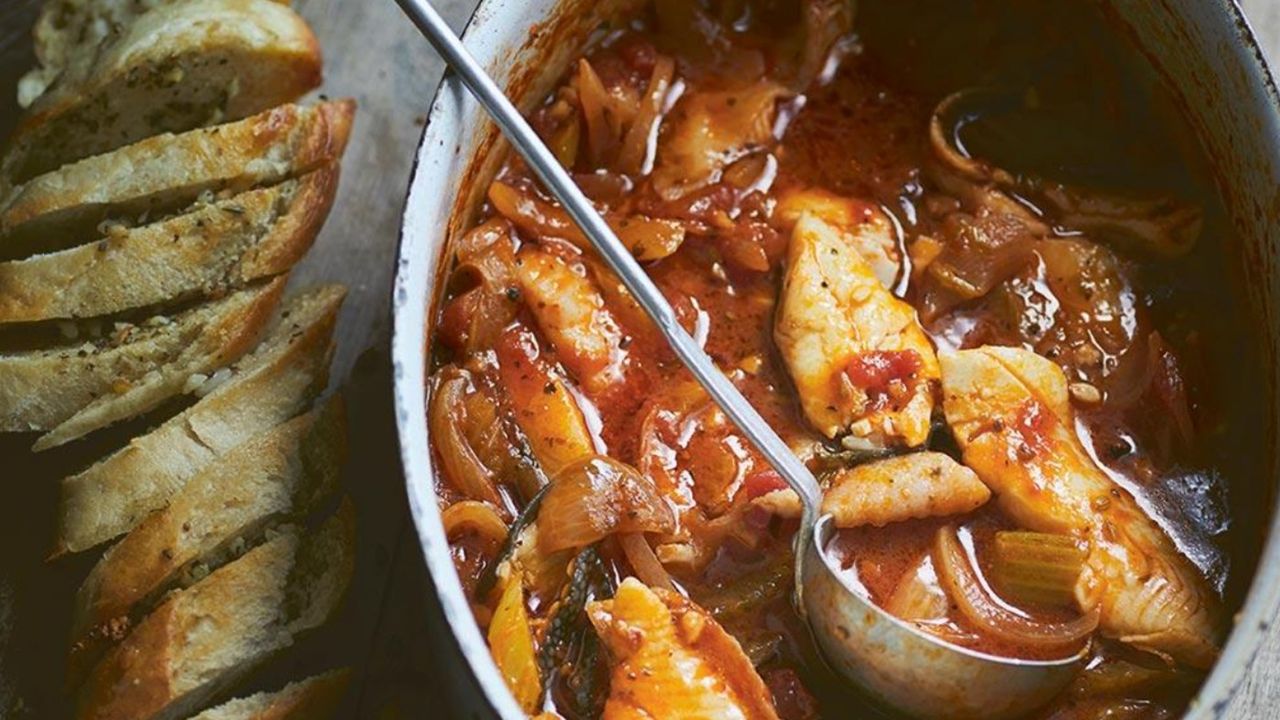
{"x": 374, "y": 55}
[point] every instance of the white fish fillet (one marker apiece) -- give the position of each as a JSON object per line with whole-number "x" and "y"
{"x": 834, "y": 311}
{"x": 1010, "y": 412}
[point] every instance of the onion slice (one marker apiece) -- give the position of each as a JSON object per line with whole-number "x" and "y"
{"x": 478, "y": 517}
{"x": 593, "y": 97}
{"x": 595, "y": 497}
{"x": 645, "y": 563}
{"x": 446, "y": 416}
{"x": 958, "y": 577}
{"x": 636, "y": 155}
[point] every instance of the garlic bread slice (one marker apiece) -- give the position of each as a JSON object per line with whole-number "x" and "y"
{"x": 274, "y": 383}
{"x": 167, "y": 173}
{"x": 75, "y": 389}
{"x": 172, "y": 68}
{"x": 70, "y": 32}
{"x": 214, "y": 247}
{"x": 207, "y": 637}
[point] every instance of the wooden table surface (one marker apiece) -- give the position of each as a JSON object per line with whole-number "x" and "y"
{"x": 374, "y": 55}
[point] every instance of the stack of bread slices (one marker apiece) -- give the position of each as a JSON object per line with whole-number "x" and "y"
{"x": 154, "y": 198}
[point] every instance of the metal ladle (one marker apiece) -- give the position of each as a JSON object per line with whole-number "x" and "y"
{"x": 899, "y": 664}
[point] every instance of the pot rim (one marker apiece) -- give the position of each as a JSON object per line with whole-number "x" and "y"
{"x": 412, "y": 291}
{"x": 1262, "y": 601}
{"x": 410, "y": 305}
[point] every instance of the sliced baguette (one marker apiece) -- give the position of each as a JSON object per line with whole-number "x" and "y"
{"x": 315, "y": 698}
{"x": 206, "y": 638}
{"x": 282, "y": 475}
{"x": 75, "y": 389}
{"x": 70, "y": 32}
{"x": 197, "y": 364}
{"x": 174, "y": 68}
{"x": 170, "y": 172}
{"x": 269, "y": 386}
{"x": 215, "y": 247}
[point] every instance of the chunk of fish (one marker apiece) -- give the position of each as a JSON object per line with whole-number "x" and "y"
{"x": 834, "y": 317}
{"x": 707, "y": 130}
{"x": 868, "y": 227}
{"x": 546, "y": 408}
{"x": 571, "y": 312}
{"x": 670, "y": 659}
{"x": 1010, "y": 412}
{"x": 906, "y": 487}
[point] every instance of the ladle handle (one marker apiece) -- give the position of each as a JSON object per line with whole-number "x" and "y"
{"x": 548, "y": 169}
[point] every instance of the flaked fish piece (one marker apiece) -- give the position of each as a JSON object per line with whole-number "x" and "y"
{"x": 544, "y": 403}
{"x": 859, "y": 359}
{"x": 671, "y": 659}
{"x": 571, "y": 312}
{"x": 865, "y": 224}
{"x": 1010, "y": 411}
{"x": 708, "y": 130}
{"x": 907, "y": 487}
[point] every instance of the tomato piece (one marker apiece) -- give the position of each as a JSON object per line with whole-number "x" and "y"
{"x": 762, "y": 483}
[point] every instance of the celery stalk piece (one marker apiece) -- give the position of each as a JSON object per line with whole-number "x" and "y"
{"x": 1037, "y": 568}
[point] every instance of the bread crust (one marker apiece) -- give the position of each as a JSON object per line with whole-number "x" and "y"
{"x": 72, "y": 32}
{"x": 316, "y": 698}
{"x": 205, "y": 638}
{"x": 282, "y": 475}
{"x": 170, "y": 172}
{"x": 214, "y": 248}
{"x": 270, "y": 386}
{"x": 77, "y": 388}
{"x": 173, "y": 68}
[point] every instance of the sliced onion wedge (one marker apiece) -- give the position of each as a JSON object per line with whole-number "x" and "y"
{"x": 960, "y": 580}
{"x": 596, "y": 497}
{"x": 478, "y": 517}
{"x": 645, "y": 562}
{"x": 446, "y": 417}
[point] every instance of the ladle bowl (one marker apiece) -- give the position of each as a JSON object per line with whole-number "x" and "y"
{"x": 906, "y": 668}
